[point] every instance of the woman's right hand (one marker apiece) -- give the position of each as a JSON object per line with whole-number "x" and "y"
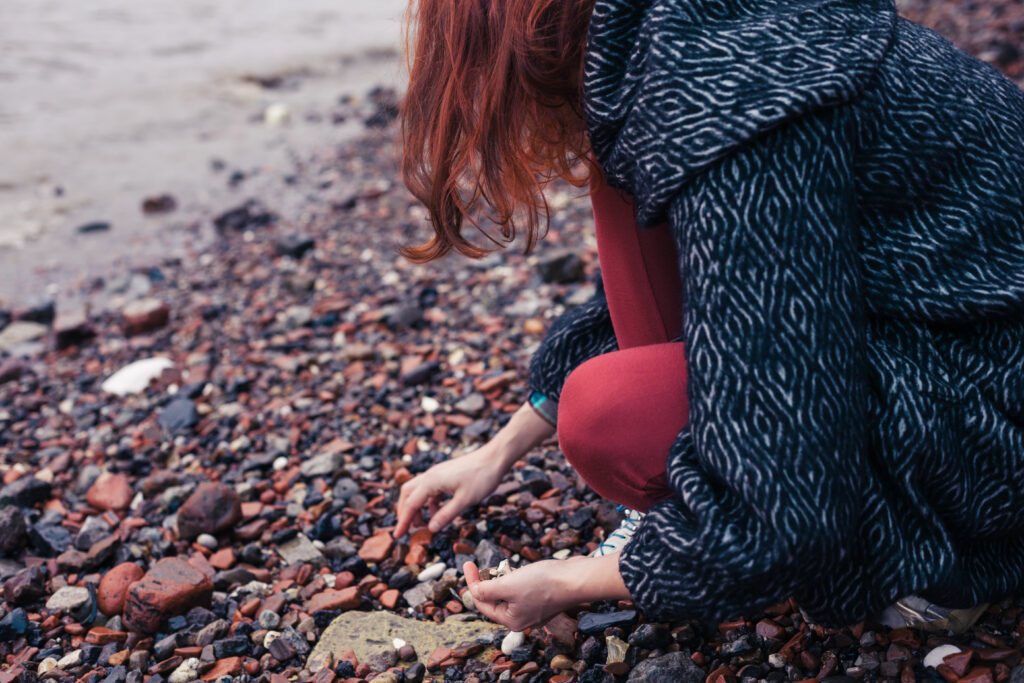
{"x": 471, "y": 478}
{"x": 468, "y": 480}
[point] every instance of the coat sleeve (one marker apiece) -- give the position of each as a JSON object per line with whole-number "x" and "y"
{"x": 579, "y": 334}
{"x": 766, "y": 472}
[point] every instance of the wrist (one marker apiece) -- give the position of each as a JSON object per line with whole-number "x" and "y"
{"x": 524, "y": 431}
{"x": 590, "y": 579}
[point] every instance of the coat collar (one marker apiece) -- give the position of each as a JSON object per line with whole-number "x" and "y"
{"x": 671, "y": 86}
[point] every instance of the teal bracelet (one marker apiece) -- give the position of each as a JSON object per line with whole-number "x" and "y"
{"x": 545, "y": 407}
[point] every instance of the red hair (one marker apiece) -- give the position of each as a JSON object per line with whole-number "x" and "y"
{"x": 493, "y": 113}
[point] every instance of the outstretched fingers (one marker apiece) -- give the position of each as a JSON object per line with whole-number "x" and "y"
{"x": 410, "y": 501}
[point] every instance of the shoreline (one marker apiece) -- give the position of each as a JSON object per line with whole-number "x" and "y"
{"x": 210, "y": 164}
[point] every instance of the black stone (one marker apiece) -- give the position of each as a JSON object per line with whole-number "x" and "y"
{"x": 650, "y": 636}
{"x": 50, "y": 539}
{"x": 561, "y": 266}
{"x": 14, "y": 624}
{"x": 747, "y": 643}
{"x": 96, "y": 226}
{"x": 356, "y": 565}
{"x": 295, "y": 246}
{"x": 25, "y": 587}
{"x": 180, "y": 415}
{"x": 401, "y": 579}
{"x": 25, "y": 492}
{"x": 591, "y": 623}
{"x": 13, "y": 530}
{"x": 421, "y": 373}
{"x": 119, "y": 674}
{"x": 231, "y": 647}
{"x": 248, "y": 216}
{"x": 42, "y": 311}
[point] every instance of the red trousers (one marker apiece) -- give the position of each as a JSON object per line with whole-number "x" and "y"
{"x": 620, "y": 412}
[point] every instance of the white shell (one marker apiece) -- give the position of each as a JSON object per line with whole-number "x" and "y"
{"x": 935, "y": 657}
{"x": 134, "y": 378}
{"x": 512, "y": 642}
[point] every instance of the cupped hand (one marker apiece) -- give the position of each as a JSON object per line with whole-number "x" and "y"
{"x": 468, "y": 480}
{"x": 525, "y": 598}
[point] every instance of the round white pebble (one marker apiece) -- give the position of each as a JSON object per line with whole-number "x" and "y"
{"x": 398, "y": 643}
{"x": 430, "y": 405}
{"x": 280, "y": 463}
{"x": 432, "y": 572}
{"x": 512, "y": 642}
{"x": 207, "y": 541}
{"x": 935, "y": 657}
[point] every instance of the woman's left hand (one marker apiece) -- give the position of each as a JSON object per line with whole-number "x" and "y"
{"x": 532, "y": 595}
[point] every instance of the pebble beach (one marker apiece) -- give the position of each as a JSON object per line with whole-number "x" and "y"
{"x": 201, "y": 446}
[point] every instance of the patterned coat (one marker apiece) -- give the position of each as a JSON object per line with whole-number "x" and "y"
{"x": 846, "y": 189}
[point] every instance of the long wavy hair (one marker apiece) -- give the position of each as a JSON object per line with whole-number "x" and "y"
{"x": 493, "y": 113}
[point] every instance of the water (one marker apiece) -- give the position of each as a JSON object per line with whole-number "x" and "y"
{"x": 103, "y": 102}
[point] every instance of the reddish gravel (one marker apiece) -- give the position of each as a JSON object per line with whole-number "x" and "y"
{"x": 213, "y": 524}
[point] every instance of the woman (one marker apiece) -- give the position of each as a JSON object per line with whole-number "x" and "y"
{"x": 842, "y": 418}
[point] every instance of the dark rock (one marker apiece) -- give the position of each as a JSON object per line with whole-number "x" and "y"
{"x": 180, "y": 415}
{"x": 231, "y": 647}
{"x": 13, "y": 530}
{"x": 72, "y": 331}
{"x": 297, "y": 641}
{"x": 295, "y": 246}
{"x": 14, "y": 624}
{"x": 282, "y": 649}
{"x": 11, "y": 369}
{"x": 42, "y": 311}
{"x": 675, "y": 667}
{"x": 25, "y": 492}
{"x": 96, "y": 226}
{"x": 489, "y": 555}
{"x": 591, "y": 623}
{"x": 747, "y": 643}
{"x": 415, "y": 673}
{"x": 212, "y": 508}
{"x": 421, "y": 373}
{"x": 650, "y": 636}
{"x": 50, "y": 539}
{"x": 94, "y": 529}
{"x": 163, "y": 203}
{"x": 405, "y": 316}
{"x": 248, "y": 216}
{"x": 25, "y": 587}
{"x": 561, "y": 266}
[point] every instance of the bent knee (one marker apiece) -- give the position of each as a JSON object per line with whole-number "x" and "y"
{"x": 584, "y": 409}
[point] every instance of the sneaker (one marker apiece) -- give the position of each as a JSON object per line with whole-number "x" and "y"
{"x": 915, "y": 612}
{"x": 617, "y": 540}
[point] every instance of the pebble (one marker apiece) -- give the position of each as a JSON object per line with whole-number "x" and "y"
{"x": 136, "y": 377}
{"x": 207, "y": 541}
{"x": 432, "y": 572}
{"x": 145, "y": 315}
{"x": 13, "y": 530}
{"x": 301, "y": 550}
{"x": 936, "y": 655}
{"x": 187, "y": 671}
{"x": 21, "y": 332}
{"x": 113, "y": 588}
{"x": 512, "y": 641}
{"x": 171, "y": 587}
{"x": 212, "y": 508}
{"x": 70, "y": 599}
{"x": 281, "y": 375}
